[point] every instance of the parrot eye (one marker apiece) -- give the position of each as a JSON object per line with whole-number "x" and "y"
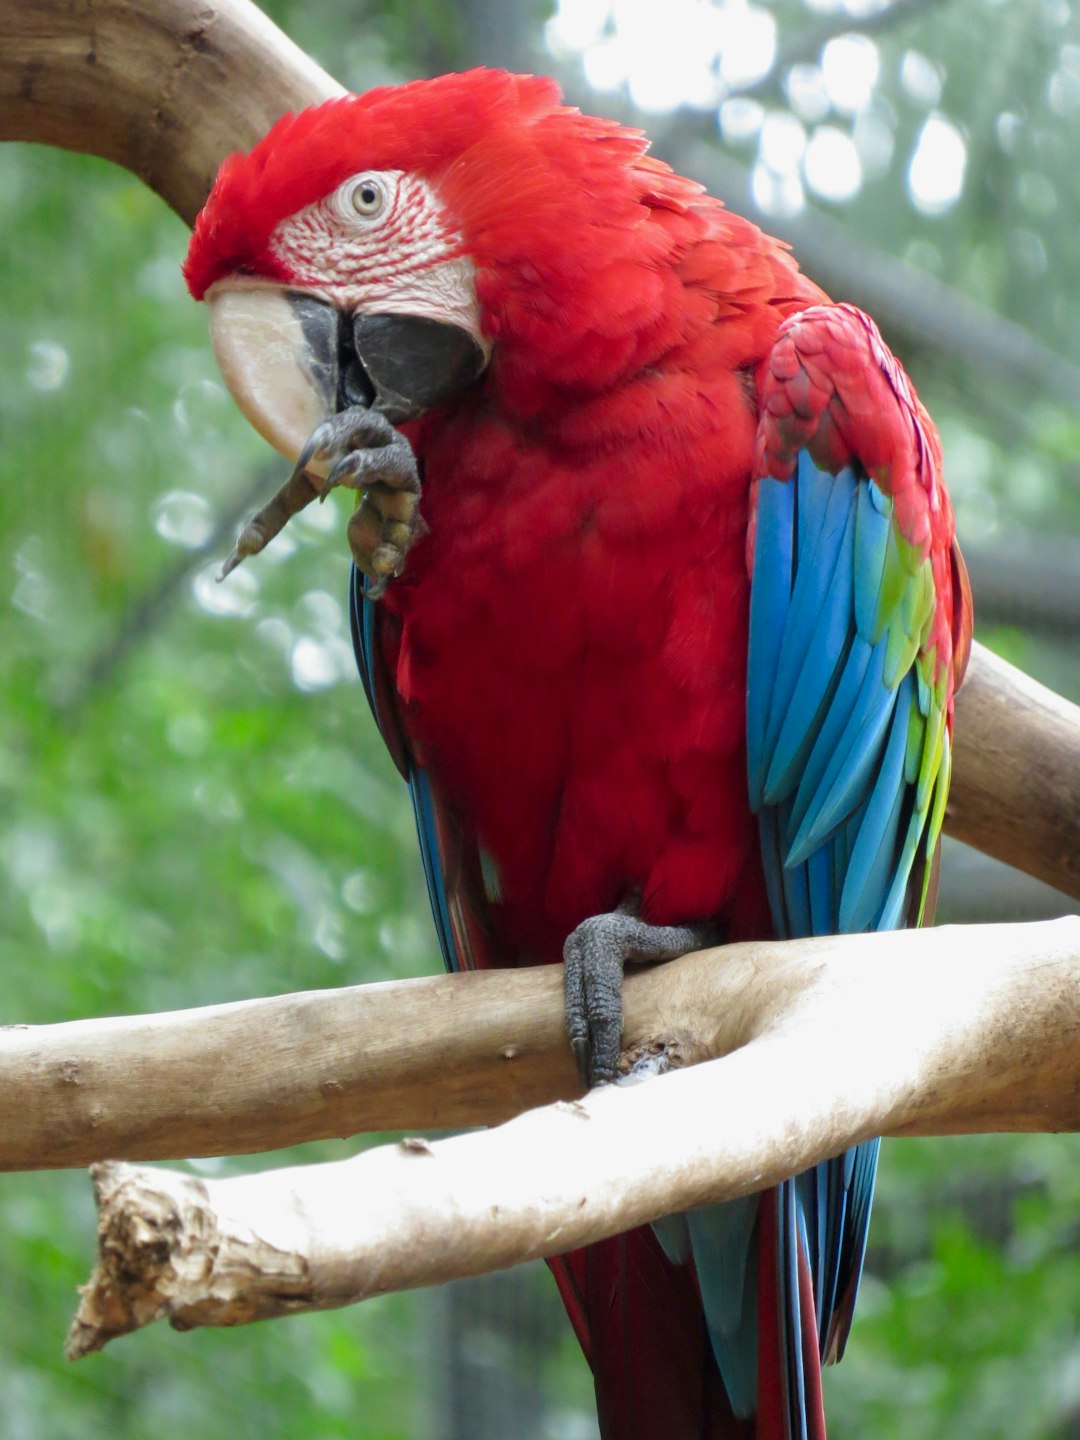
{"x": 367, "y": 197}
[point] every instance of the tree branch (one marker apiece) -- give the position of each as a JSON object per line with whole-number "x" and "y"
{"x": 977, "y": 1032}
{"x": 436, "y": 1053}
{"x": 258, "y": 1075}
{"x": 165, "y": 88}
{"x": 1016, "y": 772}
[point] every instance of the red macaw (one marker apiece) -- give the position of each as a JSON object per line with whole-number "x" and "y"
{"x": 671, "y": 653}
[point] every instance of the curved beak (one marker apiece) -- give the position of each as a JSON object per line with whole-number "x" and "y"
{"x": 290, "y": 361}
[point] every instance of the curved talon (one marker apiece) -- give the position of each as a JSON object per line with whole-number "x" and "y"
{"x": 314, "y": 445}
{"x": 348, "y": 467}
{"x": 366, "y": 453}
{"x": 594, "y": 956}
{"x": 229, "y": 564}
{"x": 297, "y": 492}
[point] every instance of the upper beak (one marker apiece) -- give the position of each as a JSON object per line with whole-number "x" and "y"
{"x": 290, "y": 360}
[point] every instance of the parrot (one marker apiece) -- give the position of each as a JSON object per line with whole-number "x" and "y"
{"x": 657, "y": 603}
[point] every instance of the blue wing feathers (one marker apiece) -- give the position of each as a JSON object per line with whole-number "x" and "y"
{"x": 860, "y": 1189}
{"x": 791, "y": 1233}
{"x": 817, "y": 675}
{"x": 796, "y": 885}
{"x": 724, "y": 1260}
{"x": 840, "y": 764}
{"x": 427, "y": 833}
{"x": 774, "y": 550}
{"x": 870, "y": 869}
{"x": 836, "y": 744}
{"x": 774, "y": 868}
{"x": 813, "y": 576}
{"x": 362, "y": 624}
{"x": 819, "y": 884}
{"x": 674, "y": 1235}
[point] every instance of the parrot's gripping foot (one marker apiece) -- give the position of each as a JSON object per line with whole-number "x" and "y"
{"x": 368, "y": 454}
{"x": 595, "y": 954}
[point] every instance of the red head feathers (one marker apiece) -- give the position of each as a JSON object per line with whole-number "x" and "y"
{"x": 425, "y": 127}
{"x": 501, "y": 150}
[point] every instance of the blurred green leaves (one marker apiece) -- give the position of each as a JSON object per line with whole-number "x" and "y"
{"x": 213, "y": 818}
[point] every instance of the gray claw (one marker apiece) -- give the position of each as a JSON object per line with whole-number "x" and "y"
{"x": 315, "y": 444}
{"x": 368, "y": 454}
{"x": 288, "y": 501}
{"x": 594, "y": 956}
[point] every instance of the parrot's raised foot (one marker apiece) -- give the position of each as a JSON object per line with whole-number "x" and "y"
{"x": 297, "y": 492}
{"x": 368, "y": 454}
{"x": 595, "y": 954}
{"x": 365, "y": 453}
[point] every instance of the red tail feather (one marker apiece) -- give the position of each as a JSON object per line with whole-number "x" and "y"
{"x": 772, "y": 1423}
{"x": 815, "y": 1410}
{"x": 641, "y": 1326}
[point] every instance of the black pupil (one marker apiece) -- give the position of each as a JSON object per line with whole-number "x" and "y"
{"x": 368, "y": 195}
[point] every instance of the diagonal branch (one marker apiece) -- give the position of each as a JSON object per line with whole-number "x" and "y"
{"x": 165, "y": 88}
{"x": 89, "y": 77}
{"x": 1016, "y": 772}
{"x": 934, "y": 1032}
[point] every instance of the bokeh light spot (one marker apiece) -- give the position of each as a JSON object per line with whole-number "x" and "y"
{"x": 936, "y": 173}
{"x": 831, "y": 164}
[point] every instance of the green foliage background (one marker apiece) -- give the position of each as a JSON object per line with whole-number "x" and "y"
{"x": 196, "y": 807}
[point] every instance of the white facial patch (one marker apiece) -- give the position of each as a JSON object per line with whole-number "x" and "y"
{"x": 382, "y": 244}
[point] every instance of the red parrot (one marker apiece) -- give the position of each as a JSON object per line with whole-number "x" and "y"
{"x": 658, "y": 606}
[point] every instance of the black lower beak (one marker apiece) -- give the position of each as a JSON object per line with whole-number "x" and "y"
{"x": 415, "y": 364}
{"x": 399, "y": 365}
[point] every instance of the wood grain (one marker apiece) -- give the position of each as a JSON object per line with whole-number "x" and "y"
{"x": 458, "y": 1050}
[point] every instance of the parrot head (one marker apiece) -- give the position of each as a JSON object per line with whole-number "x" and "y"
{"x": 378, "y": 249}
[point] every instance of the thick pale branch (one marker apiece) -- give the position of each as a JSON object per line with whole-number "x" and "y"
{"x": 437, "y": 1053}
{"x": 231, "y": 1079}
{"x": 934, "y": 1033}
{"x": 978, "y": 1039}
{"x": 1016, "y": 772}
